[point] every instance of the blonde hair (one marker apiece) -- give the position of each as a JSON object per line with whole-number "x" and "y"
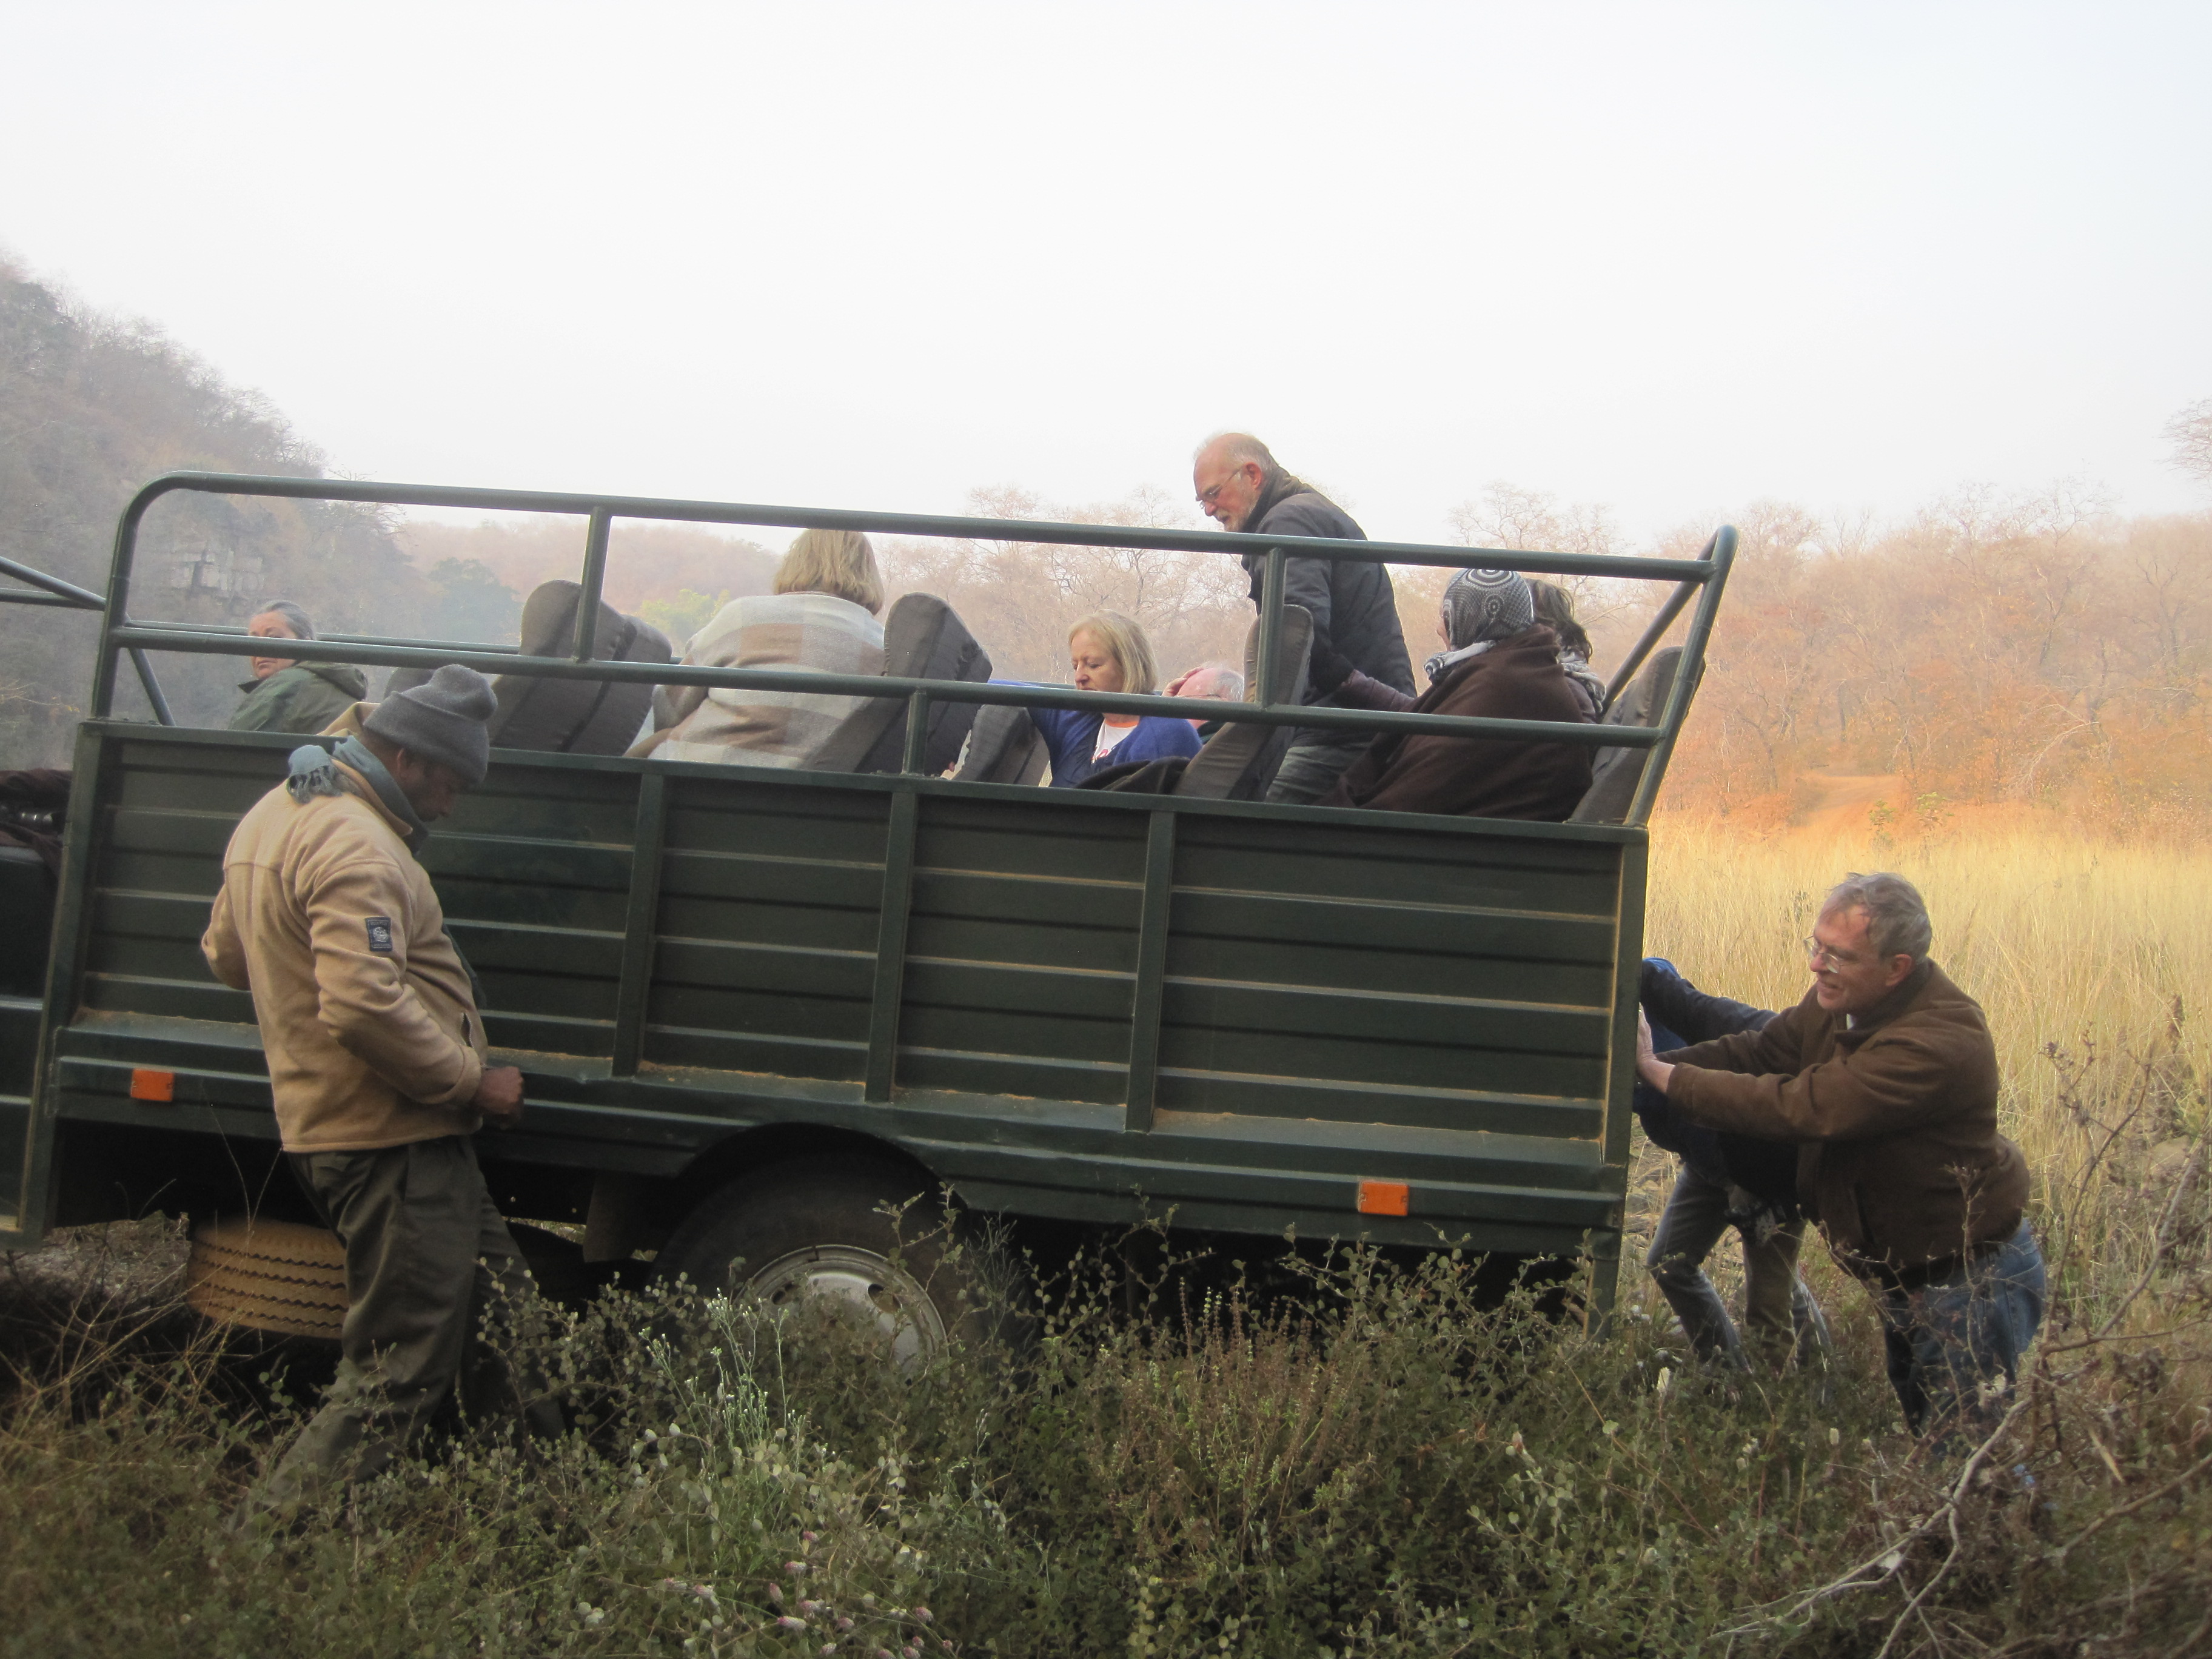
{"x": 1125, "y": 641}
{"x": 837, "y": 562}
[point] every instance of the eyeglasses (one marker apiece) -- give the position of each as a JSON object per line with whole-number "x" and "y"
{"x": 1206, "y": 497}
{"x": 1821, "y": 956}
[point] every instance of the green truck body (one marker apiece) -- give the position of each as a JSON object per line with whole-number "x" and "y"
{"x": 1077, "y": 1004}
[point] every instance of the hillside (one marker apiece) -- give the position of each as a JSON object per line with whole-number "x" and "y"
{"x": 90, "y": 408}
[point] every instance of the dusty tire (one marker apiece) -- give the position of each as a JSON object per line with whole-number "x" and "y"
{"x": 817, "y": 1226}
{"x": 268, "y": 1276}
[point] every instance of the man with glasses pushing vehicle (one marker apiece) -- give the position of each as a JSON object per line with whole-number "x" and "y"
{"x": 1886, "y": 1077}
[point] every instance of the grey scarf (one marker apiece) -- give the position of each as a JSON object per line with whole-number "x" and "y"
{"x": 1445, "y": 659}
{"x": 314, "y": 771}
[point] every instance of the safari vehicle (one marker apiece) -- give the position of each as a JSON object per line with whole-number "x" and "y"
{"x": 751, "y": 1004}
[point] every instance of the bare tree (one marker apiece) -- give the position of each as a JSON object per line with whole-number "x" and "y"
{"x": 2191, "y": 434}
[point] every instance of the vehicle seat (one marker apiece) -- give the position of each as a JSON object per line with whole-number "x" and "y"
{"x": 1616, "y": 773}
{"x": 574, "y": 717}
{"x": 924, "y": 640}
{"x": 1239, "y": 760}
{"x": 1005, "y": 747}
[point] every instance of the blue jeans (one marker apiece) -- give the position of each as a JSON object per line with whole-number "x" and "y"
{"x": 1947, "y": 1339}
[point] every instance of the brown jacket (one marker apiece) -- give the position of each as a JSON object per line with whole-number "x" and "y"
{"x": 1518, "y": 678}
{"x": 365, "y": 1007}
{"x": 1903, "y": 1164}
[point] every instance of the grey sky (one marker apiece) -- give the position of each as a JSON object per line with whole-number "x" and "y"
{"x": 1668, "y": 257}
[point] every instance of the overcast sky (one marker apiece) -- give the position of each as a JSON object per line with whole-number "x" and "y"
{"x": 1668, "y": 257}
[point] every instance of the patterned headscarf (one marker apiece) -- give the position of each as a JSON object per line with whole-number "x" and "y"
{"x": 1487, "y": 604}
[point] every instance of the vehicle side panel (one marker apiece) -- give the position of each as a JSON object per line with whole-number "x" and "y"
{"x": 1063, "y": 1003}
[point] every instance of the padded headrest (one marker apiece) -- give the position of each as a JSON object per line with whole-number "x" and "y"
{"x": 1616, "y": 772}
{"x": 1239, "y": 760}
{"x": 924, "y": 640}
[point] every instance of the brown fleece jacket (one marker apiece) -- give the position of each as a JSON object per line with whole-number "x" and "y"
{"x": 365, "y": 1007}
{"x": 1518, "y": 678}
{"x": 1902, "y": 1164}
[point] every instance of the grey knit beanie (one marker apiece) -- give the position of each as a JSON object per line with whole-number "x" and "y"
{"x": 442, "y": 720}
{"x": 1487, "y": 604}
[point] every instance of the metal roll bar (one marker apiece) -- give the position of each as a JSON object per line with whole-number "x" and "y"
{"x": 1702, "y": 579}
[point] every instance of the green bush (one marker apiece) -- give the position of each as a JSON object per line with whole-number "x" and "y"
{"x": 1388, "y": 1462}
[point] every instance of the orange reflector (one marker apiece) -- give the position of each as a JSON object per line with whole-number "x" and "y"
{"x": 153, "y": 1085}
{"x": 1383, "y": 1197}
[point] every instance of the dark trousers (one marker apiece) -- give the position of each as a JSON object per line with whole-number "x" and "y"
{"x": 1784, "y": 1321}
{"x": 1310, "y": 771}
{"x": 1948, "y": 1342}
{"x": 426, "y": 1253}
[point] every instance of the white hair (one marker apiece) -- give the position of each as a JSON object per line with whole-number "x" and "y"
{"x": 1238, "y": 449}
{"x": 1897, "y": 916}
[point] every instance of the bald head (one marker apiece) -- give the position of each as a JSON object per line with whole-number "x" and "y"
{"x": 1230, "y": 473}
{"x": 1233, "y": 448}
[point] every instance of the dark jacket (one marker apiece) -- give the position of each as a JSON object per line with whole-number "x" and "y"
{"x": 305, "y": 697}
{"x": 1680, "y": 1014}
{"x": 1518, "y": 678}
{"x": 1903, "y": 1165}
{"x": 1355, "y": 609}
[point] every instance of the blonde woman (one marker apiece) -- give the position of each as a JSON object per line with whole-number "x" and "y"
{"x": 822, "y": 616}
{"x": 1108, "y": 652}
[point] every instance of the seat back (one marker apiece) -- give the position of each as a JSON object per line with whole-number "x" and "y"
{"x": 575, "y": 717}
{"x": 1616, "y": 773}
{"x": 1239, "y": 760}
{"x": 925, "y": 640}
{"x": 1004, "y": 746}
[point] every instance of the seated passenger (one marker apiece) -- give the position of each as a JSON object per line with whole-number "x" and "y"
{"x": 1108, "y": 652}
{"x": 1555, "y": 607}
{"x": 1502, "y": 664}
{"x": 1213, "y": 682}
{"x": 287, "y": 694}
{"x": 821, "y": 618}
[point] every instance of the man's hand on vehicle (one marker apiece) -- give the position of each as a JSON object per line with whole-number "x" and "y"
{"x": 499, "y": 1096}
{"x": 1649, "y": 1066}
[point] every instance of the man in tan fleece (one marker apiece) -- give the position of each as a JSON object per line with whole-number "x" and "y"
{"x": 376, "y": 1057}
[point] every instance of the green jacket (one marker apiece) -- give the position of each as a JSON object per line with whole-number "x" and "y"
{"x": 305, "y": 697}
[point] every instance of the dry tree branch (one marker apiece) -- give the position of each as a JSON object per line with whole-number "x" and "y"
{"x": 2057, "y": 1556}
{"x": 1887, "y": 1565}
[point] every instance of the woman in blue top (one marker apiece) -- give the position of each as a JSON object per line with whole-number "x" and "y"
{"x": 1108, "y": 652}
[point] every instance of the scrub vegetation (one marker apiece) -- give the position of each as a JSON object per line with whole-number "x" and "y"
{"x": 1321, "y": 1453}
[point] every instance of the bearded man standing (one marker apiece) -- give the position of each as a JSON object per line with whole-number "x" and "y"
{"x": 1241, "y": 486}
{"x": 376, "y": 1058}
{"x": 1886, "y": 1077}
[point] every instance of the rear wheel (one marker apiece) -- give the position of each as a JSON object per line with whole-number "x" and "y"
{"x": 861, "y": 1237}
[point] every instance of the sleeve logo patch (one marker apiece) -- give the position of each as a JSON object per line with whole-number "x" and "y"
{"x": 380, "y": 933}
